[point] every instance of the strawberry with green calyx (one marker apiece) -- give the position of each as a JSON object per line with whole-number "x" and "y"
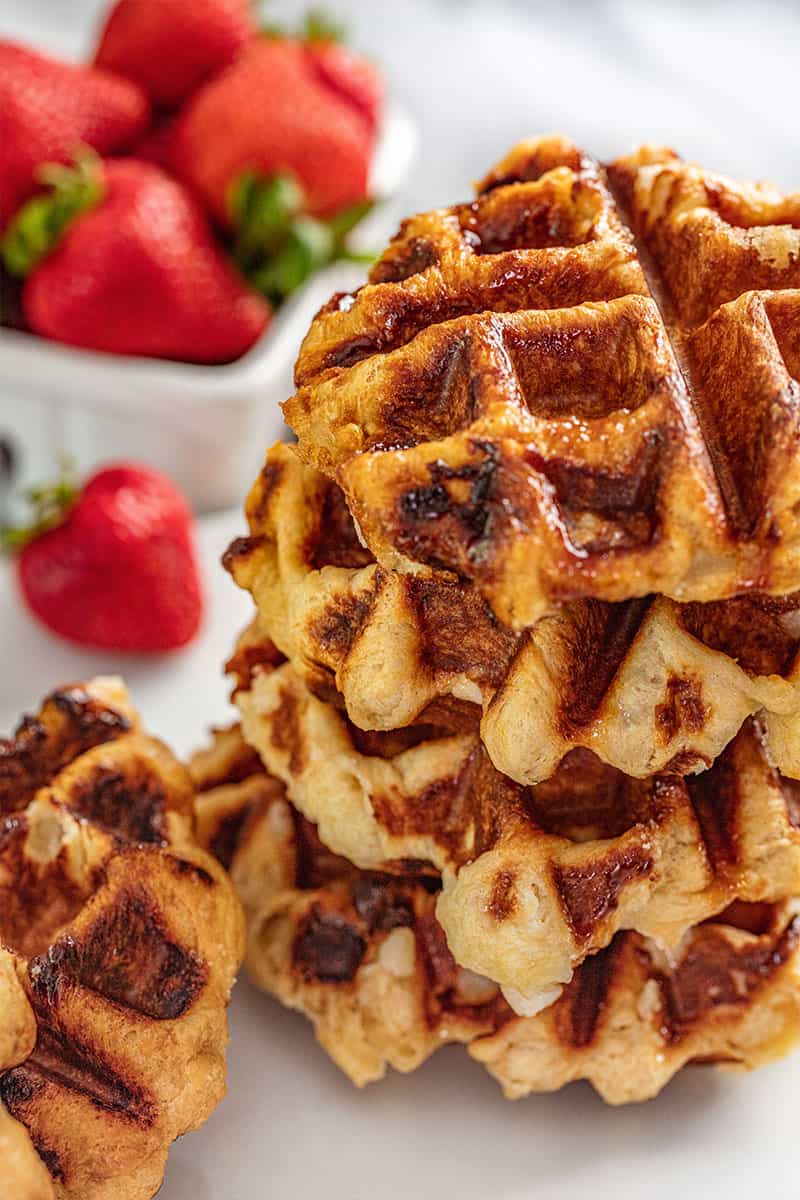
{"x": 124, "y": 261}
{"x": 38, "y": 226}
{"x": 112, "y": 565}
{"x": 48, "y": 108}
{"x": 273, "y": 113}
{"x": 48, "y": 503}
{"x": 278, "y": 246}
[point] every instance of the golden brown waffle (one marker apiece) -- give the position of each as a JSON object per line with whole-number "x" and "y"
{"x": 648, "y": 685}
{"x": 122, "y": 939}
{"x": 363, "y": 956}
{"x": 534, "y": 879}
{"x": 516, "y": 398}
{"x": 334, "y": 923}
{"x": 23, "y": 1175}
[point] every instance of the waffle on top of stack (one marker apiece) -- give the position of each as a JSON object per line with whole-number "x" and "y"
{"x": 533, "y": 417}
{"x": 119, "y": 941}
{"x": 538, "y": 397}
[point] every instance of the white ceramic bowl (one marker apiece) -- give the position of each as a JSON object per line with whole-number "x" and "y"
{"x": 206, "y": 426}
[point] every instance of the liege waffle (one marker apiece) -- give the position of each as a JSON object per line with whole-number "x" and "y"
{"x": 121, "y": 939}
{"x": 519, "y": 398}
{"x": 25, "y": 1176}
{"x": 284, "y": 876}
{"x": 534, "y": 879}
{"x": 22, "y": 1172}
{"x": 363, "y": 956}
{"x": 648, "y": 685}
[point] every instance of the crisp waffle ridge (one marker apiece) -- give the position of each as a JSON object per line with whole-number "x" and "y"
{"x": 649, "y": 685}
{"x": 582, "y": 385}
{"x": 119, "y": 942}
{"x": 363, "y": 956}
{"x": 535, "y": 879}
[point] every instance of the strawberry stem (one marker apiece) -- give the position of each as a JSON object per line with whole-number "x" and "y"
{"x": 320, "y": 26}
{"x": 37, "y": 228}
{"x": 277, "y": 245}
{"x": 50, "y": 504}
{"x": 317, "y": 26}
{"x": 263, "y": 211}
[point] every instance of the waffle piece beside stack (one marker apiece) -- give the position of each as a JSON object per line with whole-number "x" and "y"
{"x": 119, "y": 941}
{"x": 524, "y": 669}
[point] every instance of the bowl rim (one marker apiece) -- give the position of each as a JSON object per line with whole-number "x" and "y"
{"x": 30, "y": 361}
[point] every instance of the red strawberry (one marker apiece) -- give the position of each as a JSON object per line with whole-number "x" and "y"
{"x": 49, "y": 108}
{"x": 156, "y": 144}
{"x": 134, "y": 269}
{"x": 354, "y": 78}
{"x": 170, "y": 47}
{"x": 272, "y": 112}
{"x": 120, "y": 571}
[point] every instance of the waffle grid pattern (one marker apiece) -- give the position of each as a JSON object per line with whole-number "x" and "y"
{"x": 515, "y": 399}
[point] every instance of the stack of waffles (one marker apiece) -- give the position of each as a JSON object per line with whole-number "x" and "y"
{"x": 520, "y": 702}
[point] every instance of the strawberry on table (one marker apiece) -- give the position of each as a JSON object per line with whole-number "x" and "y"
{"x": 113, "y": 566}
{"x": 170, "y": 47}
{"x": 120, "y": 258}
{"x": 274, "y": 112}
{"x": 49, "y": 108}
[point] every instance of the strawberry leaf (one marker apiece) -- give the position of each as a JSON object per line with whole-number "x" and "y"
{"x": 319, "y": 26}
{"x": 308, "y": 246}
{"x": 262, "y": 210}
{"x": 277, "y": 246}
{"x": 345, "y": 221}
{"x": 50, "y": 504}
{"x": 39, "y": 225}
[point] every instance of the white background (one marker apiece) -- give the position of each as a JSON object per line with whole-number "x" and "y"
{"x": 718, "y": 81}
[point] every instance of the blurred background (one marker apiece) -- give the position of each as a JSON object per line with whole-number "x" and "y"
{"x": 468, "y": 78}
{"x": 713, "y": 78}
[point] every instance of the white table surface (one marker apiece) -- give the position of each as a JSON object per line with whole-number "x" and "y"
{"x": 293, "y": 1128}
{"x": 717, "y": 80}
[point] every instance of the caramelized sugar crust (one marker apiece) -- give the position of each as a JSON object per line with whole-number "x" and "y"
{"x": 648, "y": 684}
{"x": 581, "y": 385}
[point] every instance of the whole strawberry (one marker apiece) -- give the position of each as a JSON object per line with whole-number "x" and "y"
{"x": 274, "y": 112}
{"x": 170, "y": 47}
{"x": 119, "y": 257}
{"x": 49, "y": 108}
{"x": 117, "y": 570}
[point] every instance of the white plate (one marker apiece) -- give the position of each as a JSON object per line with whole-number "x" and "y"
{"x": 293, "y": 1128}
{"x": 206, "y": 426}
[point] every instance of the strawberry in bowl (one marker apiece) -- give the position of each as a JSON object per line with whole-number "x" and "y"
{"x": 48, "y": 108}
{"x": 119, "y": 257}
{"x": 274, "y": 145}
{"x": 170, "y": 47}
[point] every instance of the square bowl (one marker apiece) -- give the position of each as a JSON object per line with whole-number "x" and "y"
{"x": 206, "y": 426}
